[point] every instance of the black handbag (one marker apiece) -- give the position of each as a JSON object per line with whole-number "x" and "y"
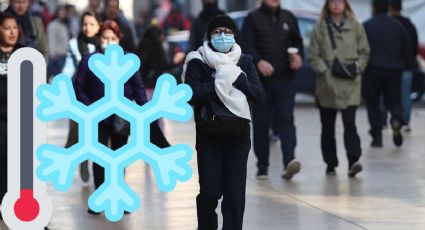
{"x": 120, "y": 126}
{"x": 339, "y": 69}
{"x": 216, "y": 120}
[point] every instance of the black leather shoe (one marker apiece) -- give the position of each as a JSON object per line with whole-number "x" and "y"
{"x": 330, "y": 171}
{"x": 377, "y": 142}
{"x": 91, "y": 212}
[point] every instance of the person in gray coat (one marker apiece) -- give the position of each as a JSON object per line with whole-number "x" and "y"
{"x": 334, "y": 93}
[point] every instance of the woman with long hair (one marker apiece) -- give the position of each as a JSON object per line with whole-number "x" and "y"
{"x": 339, "y": 37}
{"x": 9, "y": 35}
{"x": 86, "y": 42}
{"x": 154, "y": 58}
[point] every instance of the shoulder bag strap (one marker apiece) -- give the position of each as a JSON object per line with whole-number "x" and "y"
{"x": 331, "y": 36}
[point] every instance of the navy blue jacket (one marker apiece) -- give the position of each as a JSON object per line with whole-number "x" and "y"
{"x": 199, "y": 78}
{"x": 389, "y": 43}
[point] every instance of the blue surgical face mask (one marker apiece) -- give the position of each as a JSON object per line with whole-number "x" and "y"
{"x": 222, "y": 42}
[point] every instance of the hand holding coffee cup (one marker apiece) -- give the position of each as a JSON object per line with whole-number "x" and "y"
{"x": 295, "y": 61}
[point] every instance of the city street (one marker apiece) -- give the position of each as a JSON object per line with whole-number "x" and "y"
{"x": 389, "y": 194}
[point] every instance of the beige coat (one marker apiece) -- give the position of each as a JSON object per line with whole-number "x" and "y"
{"x": 352, "y": 45}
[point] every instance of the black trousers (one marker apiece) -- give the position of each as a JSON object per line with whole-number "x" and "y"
{"x": 3, "y": 159}
{"x": 222, "y": 165}
{"x": 117, "y": 141}
{"x": 280, "y": 100}
{"x": 351, "y": 137}
{"x": 72, "y": 134}
{"x": 384, "y": 84}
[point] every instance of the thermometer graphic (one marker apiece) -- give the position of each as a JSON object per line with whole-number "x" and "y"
{"x": 26, "y": 204}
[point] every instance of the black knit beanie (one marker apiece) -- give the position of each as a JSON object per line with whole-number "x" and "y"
{"x": 221, "y": 21}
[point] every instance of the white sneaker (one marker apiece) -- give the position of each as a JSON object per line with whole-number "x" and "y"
{"x": 293, "y": 168}
{"x": 406, "y": 129}
{"x": 262, "y": 174}
{"x": 356, "y": 168}
{"x": 262, "y": 177}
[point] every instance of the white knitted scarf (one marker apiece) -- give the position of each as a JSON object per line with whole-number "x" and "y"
{"x": 227, "y": 71}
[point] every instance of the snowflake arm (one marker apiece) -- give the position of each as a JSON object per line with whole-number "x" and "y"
{"x": 58, "y": 101}
{"x": 169, "y": 165}
{"x": 114, "y": 69}
{"x": 58, "y": 165}
{"x": 169, "y": 101}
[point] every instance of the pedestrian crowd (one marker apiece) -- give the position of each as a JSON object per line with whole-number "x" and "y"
{"x": 242, "y": 81}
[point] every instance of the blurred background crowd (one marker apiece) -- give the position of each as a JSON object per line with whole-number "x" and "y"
{"x": 163, "y": 32}
{"x": 181, "y": 25}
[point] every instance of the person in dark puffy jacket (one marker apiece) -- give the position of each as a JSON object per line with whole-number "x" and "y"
{"x": 225, "y": 85}
{"x": 90, "y": 89}
{"x": 270, "y": 32}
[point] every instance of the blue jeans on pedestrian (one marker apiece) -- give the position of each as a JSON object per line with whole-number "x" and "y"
{"x": 280, "y": 100}
{"x": 406, "y": 91}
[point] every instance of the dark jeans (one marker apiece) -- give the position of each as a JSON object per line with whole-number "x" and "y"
{"x": 72, "y": 134}
{"x": 387, "y": 84}
{"x": 351, "y": 137}
{"x": 3, "y": 160}
{"x": 281, "y": 100}
{"x": 222, "y": 165}
{"x": 117, "y": 141}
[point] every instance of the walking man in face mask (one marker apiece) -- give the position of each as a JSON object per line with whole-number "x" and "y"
{"x": 268, "y": 33}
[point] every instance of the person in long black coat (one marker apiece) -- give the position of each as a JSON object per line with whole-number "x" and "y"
{"x": 222, "y": 77}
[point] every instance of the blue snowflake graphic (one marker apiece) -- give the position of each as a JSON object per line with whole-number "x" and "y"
{"x": 114, "y": 69}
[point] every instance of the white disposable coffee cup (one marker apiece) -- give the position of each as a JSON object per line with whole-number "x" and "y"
{"x": 293, "y": 50}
